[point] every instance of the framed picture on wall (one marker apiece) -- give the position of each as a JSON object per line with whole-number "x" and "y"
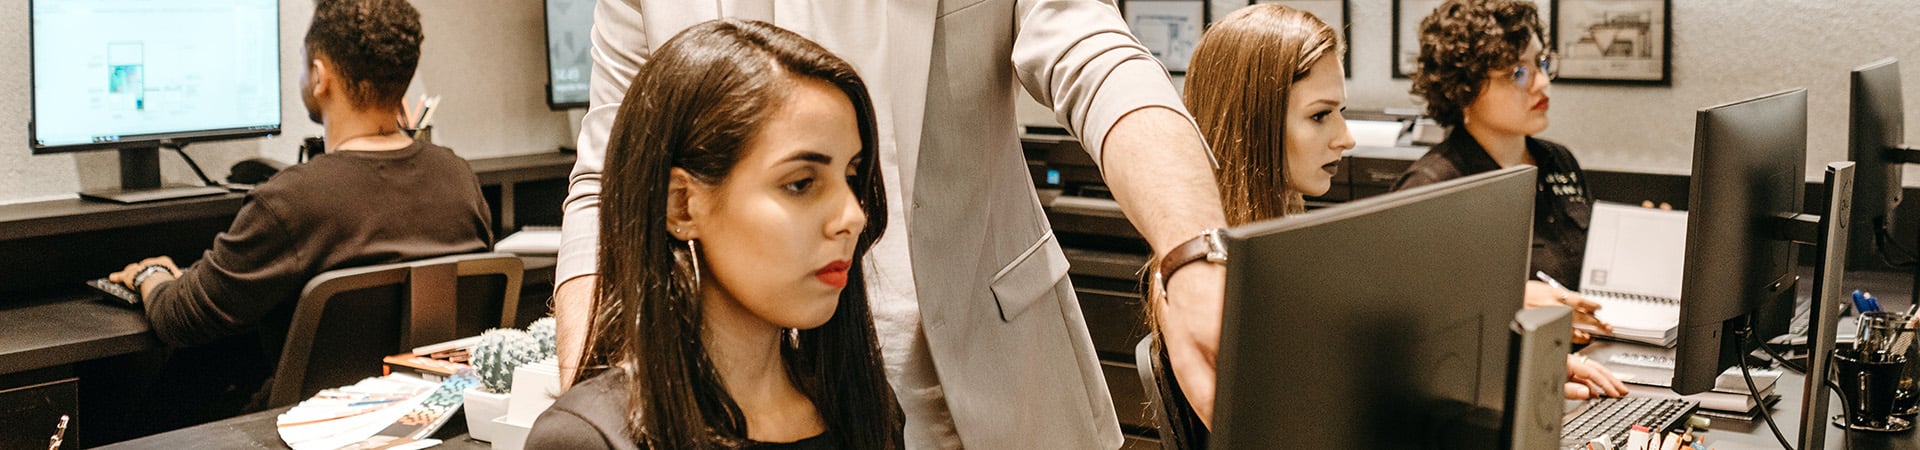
{"x": 1407, "y": 15}
{"x": 1614, "y": 41}
{"x": 1334, "y": 13}
{"x": 1168, "y": 28}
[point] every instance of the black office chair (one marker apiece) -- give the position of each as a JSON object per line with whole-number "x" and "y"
{"x": 1178, "y": 429}
{"x": 348, "y": 319}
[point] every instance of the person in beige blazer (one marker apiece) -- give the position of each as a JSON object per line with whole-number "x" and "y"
{"x": 984, "y": 341}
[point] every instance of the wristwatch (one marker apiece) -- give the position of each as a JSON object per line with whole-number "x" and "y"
{"x": 140, "y": 279}
{"x": 1205, "y": 247}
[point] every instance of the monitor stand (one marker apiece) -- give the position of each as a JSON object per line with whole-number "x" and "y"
{"x": 140, "y": 181}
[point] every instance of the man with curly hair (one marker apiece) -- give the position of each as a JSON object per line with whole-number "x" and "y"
{"x": 377, "y": 196}
{"x": 1484, "y": 72}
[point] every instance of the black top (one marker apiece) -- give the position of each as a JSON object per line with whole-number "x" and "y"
{"x": 1562, "y": 204}
{"x": 593, "y": 415}
{"x": 343, "y": 209}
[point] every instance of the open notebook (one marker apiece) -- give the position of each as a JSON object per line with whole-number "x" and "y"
{"x": 1633, "y": 270}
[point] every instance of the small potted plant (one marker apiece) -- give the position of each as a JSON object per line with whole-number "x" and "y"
{"x": 495, "y": 357}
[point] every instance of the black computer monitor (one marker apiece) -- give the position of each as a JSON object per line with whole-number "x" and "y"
{"x": 1749, "y": 162}
{"x": 1387, "y": 313}
{"x": 1875, "y": 135}
{"x": 136, "y": 76}
{"x": 569, "y": 52}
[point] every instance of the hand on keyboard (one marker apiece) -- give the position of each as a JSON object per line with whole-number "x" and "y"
{"x": 1590, "y": 379}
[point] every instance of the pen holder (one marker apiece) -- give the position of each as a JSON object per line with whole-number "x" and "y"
{"x": 1885, "y": 335}
{"x": 422, "y": 134}
{"x": 1870, "y": 383}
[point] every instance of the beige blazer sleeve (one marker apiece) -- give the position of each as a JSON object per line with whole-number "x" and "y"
{"x": 620, "y": 47}
{"x": 1080, "y": 59}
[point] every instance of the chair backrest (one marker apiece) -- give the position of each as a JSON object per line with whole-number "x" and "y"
{"x": 348, "y": 319}
{"x": 1172, "y": 425}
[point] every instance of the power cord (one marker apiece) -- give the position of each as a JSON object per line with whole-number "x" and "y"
{"x": 1845, "y": 405}
{"x": 1745, "y": 334}
{"x": 181, "y": 149}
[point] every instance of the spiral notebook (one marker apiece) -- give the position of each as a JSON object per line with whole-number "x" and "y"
{"x": 1633, "y": 269}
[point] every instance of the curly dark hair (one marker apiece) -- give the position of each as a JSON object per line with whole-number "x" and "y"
{"x": 374, "y": 44}
{"x": 1463, "y": 40}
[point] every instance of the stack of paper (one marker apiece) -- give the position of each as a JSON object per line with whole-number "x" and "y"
{"x": 1633, "y": 269}
{"x": 1650, "y": 371}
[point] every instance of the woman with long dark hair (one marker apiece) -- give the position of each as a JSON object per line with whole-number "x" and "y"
{"x": 741, "y": 195}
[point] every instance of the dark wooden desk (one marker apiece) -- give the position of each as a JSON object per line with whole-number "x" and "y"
{"x": 256, "y": 431}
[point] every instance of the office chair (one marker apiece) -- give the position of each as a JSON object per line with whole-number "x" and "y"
{"x": 348, "y": 319}
{"x": 1161, "y": 399}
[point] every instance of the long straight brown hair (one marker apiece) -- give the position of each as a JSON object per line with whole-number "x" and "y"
{"x": 1238, "y": 83}
{"x": 694, "y": 106}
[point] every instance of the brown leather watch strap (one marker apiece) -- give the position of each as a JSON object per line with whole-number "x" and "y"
{"x": 1205, "y": 247}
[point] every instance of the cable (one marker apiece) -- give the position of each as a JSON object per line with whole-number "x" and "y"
{"x": 1846, "y": 414}
{"x": 1760, "y": 404}
{"x": 1782, "y": 360}
{"x": 182, "y": 150}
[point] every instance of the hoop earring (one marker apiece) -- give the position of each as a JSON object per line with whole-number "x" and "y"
{"x": 693, "y": 246}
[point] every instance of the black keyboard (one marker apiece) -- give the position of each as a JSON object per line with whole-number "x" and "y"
{"x": 115, "y": 290}
{"x": 1612, "y": 418}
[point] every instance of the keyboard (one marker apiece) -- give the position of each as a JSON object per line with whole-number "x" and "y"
{"x": 1612, "y": 418}
{"x": 115, "y": 290}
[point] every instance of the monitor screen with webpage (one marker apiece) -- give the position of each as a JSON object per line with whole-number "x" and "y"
{"x": 128, "y": 73}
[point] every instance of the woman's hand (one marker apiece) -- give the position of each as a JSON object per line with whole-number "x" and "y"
{"x": 1588, "y": 379}
{"x": 1541, "y": 294}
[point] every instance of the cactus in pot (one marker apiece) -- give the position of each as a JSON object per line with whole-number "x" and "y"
{"x": 498, "y": 353}
{"x": 542, "y": 331}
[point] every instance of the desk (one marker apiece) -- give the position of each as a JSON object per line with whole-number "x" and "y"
{"x": 256, "y": 431}
{"x": 1732, "y": 434}
{"x": 54, "y": 327}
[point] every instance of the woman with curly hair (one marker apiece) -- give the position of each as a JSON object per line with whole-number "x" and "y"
{"x": 1484, "y": 71}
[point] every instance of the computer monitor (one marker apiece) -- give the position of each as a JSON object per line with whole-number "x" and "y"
{"x": 569, "y": 50}
{"x": 1387, "y": 313}
{"x": 1749, "y": 163}
{"x": 139, "y": 75}
{"x": 1875, "y": 131}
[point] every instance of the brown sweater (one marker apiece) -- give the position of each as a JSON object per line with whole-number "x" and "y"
{"x": 340, "y": 210}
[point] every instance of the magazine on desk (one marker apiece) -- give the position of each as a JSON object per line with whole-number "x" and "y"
{"x": 1633, "y": 269}
{"x": 396, "y": 411}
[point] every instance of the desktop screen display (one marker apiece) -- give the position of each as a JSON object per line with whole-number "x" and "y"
{"x": 1390, "y": 311}
{"x": 569, "y": 46}
{"x": 110, "y": 73}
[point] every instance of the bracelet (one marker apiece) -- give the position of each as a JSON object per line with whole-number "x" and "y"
{"x": 140, "y": 279}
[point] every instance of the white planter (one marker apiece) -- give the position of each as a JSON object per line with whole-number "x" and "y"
{"x": 482, "y": 408}
{"x": 535, "y": 386}
{"x": 511, "y": 436}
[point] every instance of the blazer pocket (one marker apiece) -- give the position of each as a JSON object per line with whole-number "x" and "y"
{"x": 1029, "y": 277}
{"x": 952, "y": 6}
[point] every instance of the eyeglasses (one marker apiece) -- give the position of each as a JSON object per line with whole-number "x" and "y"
{"x": 1547, "y": 64}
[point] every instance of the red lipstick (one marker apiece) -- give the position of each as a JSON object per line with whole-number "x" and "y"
{"x": 834, "y": 273}
{"x": 1542, "y": 105}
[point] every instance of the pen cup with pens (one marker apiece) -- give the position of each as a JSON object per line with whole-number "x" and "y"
{"x": 1876, "y": 374}
{"x": 422, "y": 134}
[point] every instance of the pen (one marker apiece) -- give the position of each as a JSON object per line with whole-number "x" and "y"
{"x": 1542, "y": 275}
{"x": 59, "y": 434}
